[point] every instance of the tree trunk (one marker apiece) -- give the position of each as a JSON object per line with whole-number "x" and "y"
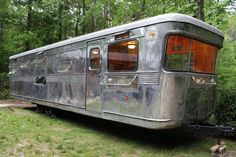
{"x": 60, "y": 10}
{"x": 139, "y": 13}
{"x": 1, "y": 31}
{"x": 201, "y": 14}
{"x": 94, "y": 19}
{"x": 29, "y": 24}
{"x": 164, "y": 7}
{"x": 83, "y": 23}
{"x": 78, "y": 12}
{"x": 143, "y": 7}
{"x": 77, "y": 27}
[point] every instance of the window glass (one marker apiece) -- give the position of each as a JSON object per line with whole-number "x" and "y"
{"x": 71, "y": 62}
{"x": 205, "y": 57}
{"x": 52, "y": 64}
{"x": 123, "y": 56}
{"x": 25, "y": 67}
{"x": 65, "y": 67}
{"x": 40, "y": 80}
{"x": 13, "y": 67}
{"x": 95, "y": 58}
{"x": 40, "y": 63}
{"x": 186, "y": 54}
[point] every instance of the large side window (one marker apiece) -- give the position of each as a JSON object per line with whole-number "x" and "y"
{"x": 71, "y": 62}
{"x": 52, "y": 64}
{"x": 66, "y": 62}
{"x": 123, "y": 56}
{"x": 187, "y": 54}
{"x": 40, "y": 63}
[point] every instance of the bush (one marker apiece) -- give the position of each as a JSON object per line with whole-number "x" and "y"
{"x": 226, "y": 105}
{"x": 4, "y": 86}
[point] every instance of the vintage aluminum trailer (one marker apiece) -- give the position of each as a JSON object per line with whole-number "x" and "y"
{"x": 155, "y": 73}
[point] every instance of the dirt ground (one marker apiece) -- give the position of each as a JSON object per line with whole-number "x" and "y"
{"x": 15, "y": 103}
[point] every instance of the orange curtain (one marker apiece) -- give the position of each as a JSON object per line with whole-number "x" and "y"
{"x": 204, "y": 55}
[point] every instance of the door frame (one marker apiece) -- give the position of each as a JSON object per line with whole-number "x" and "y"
{"x": 96, "y": 75}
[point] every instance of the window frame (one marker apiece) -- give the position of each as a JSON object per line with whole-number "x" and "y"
{"x": 191, "y": 37}
{"x": 118, "y": 42}
{"x": 100, "y": 58}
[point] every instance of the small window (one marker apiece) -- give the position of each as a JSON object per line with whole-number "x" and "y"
{"x": 123, "y": 56}
{"x": 95, "y": 58}
{"x": 122, "y": 36}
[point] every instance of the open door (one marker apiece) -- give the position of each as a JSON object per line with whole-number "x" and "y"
{"x": 94, "y": 73}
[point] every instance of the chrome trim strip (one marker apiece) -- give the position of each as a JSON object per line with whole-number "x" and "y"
{"x": 135, "y": 117}
{"x": 113, "y": 84}
{"x": 43, "y": 100}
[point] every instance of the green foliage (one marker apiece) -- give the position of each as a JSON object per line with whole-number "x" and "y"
{"x": 226, "y": 105}
{"x": 227, "y": 65}
{"x": 4, "y": 86}
{"x": 226, "y": 102}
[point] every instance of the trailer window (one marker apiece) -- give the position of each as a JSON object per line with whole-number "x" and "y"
{"x": 40, "y": 63}
{"x": 13, "y": 67}
{"x": 65, "y": 67}
{"x": 24, "y": 67}
{"x": 70, "y": 62}
{"x": 186, "y": 54}
{"x": 95, "y": 58}
{"x": 123, "y": 56}
{"x": 52, "y": 64}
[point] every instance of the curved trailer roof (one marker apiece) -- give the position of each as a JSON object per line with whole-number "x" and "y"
{"x": 173, "y": 17}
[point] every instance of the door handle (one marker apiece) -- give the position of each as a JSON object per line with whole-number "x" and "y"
{"x": 40, "y": 80}
{"x": 99, "y": 73}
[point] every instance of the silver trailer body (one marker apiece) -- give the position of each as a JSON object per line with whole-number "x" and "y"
{"x": 66, "y": 75}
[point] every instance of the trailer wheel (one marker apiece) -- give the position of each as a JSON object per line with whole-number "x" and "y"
{"x": 39, "y": 109}
{"x": 50, "y": 112}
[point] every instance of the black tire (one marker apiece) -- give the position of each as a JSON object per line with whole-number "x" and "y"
{"x": 39, "y": 109}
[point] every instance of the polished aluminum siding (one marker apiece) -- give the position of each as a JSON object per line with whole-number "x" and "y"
{"x": 149, "y": 97}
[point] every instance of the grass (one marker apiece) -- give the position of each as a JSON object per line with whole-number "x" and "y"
{"x": 26, "y": 133}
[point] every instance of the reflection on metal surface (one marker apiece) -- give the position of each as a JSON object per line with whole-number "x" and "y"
{"x": 119, "y": 80}
{"x": 202, "y": 80}
{"x": 64, "y": 67}
{"x": 148, "y": 119}
{"x": 130, "y": 85}
{"x": 187, "y": 101}
{"x": 93, "y": 88}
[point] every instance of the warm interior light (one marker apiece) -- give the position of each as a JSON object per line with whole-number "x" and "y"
{"x": 95, "y": 52}
{"x": 131, "y": 46}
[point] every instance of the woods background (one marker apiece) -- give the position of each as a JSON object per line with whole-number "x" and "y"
{"x": 28, "y": 24}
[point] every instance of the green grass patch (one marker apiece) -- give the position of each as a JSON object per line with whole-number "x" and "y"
{"x": 26, "y": 133}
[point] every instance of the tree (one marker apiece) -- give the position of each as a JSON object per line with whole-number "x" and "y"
{"x": 201, "y": 14}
